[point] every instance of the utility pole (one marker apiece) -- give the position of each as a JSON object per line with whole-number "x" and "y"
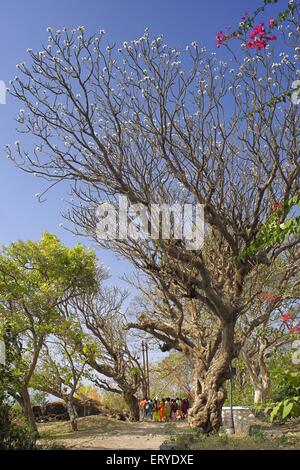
{"x": 231, "y": 429}
{"x": 147, "y": 368}
{"x": 145, "y": 354}
{"x": 145, "y": 390}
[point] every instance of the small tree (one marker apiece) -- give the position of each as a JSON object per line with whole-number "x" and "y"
{"x": 59, "y": 373}
{"x": 256, "y": 354}
{"x": 262, "y": 329}
{"x": 106, "y": 348}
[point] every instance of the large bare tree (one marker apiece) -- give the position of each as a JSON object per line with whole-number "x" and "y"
{"x": 159, "y": 126}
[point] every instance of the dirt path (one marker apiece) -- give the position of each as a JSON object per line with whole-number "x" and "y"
{"x": 96, "y": 433}
{"x": 99, "y": 433}
{"x": 140, "y": 436}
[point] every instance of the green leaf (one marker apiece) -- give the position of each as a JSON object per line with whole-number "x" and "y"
{"x": 276, "y": 411}
{"x": 287, "y": 409}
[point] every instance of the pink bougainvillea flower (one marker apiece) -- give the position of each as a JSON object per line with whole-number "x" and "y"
{"x": 272, "y": 22}
{"x": 286, "y": 317}
{"x": 258, "y": 31}
{"x": 245, "y": 14}
{"x": 257, "y": 44}
{"x": 220, "y": 37}
{"x": 259, "y": 37}
{"x": 270, "y": 297}
{"x": 271, "y": 38}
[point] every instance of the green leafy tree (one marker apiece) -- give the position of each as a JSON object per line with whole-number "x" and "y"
{"x": 35, "y": 279}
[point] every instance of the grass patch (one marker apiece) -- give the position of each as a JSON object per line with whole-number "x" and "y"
{"x": 258, "y": 440}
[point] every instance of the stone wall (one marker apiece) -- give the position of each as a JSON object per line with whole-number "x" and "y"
{"x": 57, "y": 411}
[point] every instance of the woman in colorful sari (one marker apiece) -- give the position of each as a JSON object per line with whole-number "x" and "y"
{"x": 162, "y": 411}
{"x": 155, "y": 416}
{"x": 148, "y": 410}
{"x": 173, "y": 410}
{"x": 167, "y": 409}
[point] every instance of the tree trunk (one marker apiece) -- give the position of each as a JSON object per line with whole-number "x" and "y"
{"x": 27, "y": 409}
{"x": 72, "y": 413}
{"x": 209, "y": 391}
{"x": 260, "y": 380}
{"x": 261, "y": 389}
{"x": 206, "y": 412}
{"x": 25, "y": 397}
{"x": 259, "y": 374}
{"x": 258, "y": 395}
{"x": 133, "y": 404}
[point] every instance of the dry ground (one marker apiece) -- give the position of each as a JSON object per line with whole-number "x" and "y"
{"x": 96, "y": 432}
{"x": 100, "y": 433}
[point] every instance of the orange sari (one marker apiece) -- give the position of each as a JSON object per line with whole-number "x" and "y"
{"x": 162, "y": 412}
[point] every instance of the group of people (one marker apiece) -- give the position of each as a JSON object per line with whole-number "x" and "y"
{"x": 165, "y": 409}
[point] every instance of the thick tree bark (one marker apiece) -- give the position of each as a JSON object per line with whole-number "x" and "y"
{"x": 133, "y": 404}
{"x": 206, "y": 412}
{"x": 27, "y": 409}
{"x": 209, "y": 391}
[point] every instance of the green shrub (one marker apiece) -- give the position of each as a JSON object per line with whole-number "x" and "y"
{"x": 14, "y": 436}
{"x": 282, "y": 387}
{"x": 290, "y": 406}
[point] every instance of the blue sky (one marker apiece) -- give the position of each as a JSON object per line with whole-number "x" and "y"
{"x": 23, "y": 25}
